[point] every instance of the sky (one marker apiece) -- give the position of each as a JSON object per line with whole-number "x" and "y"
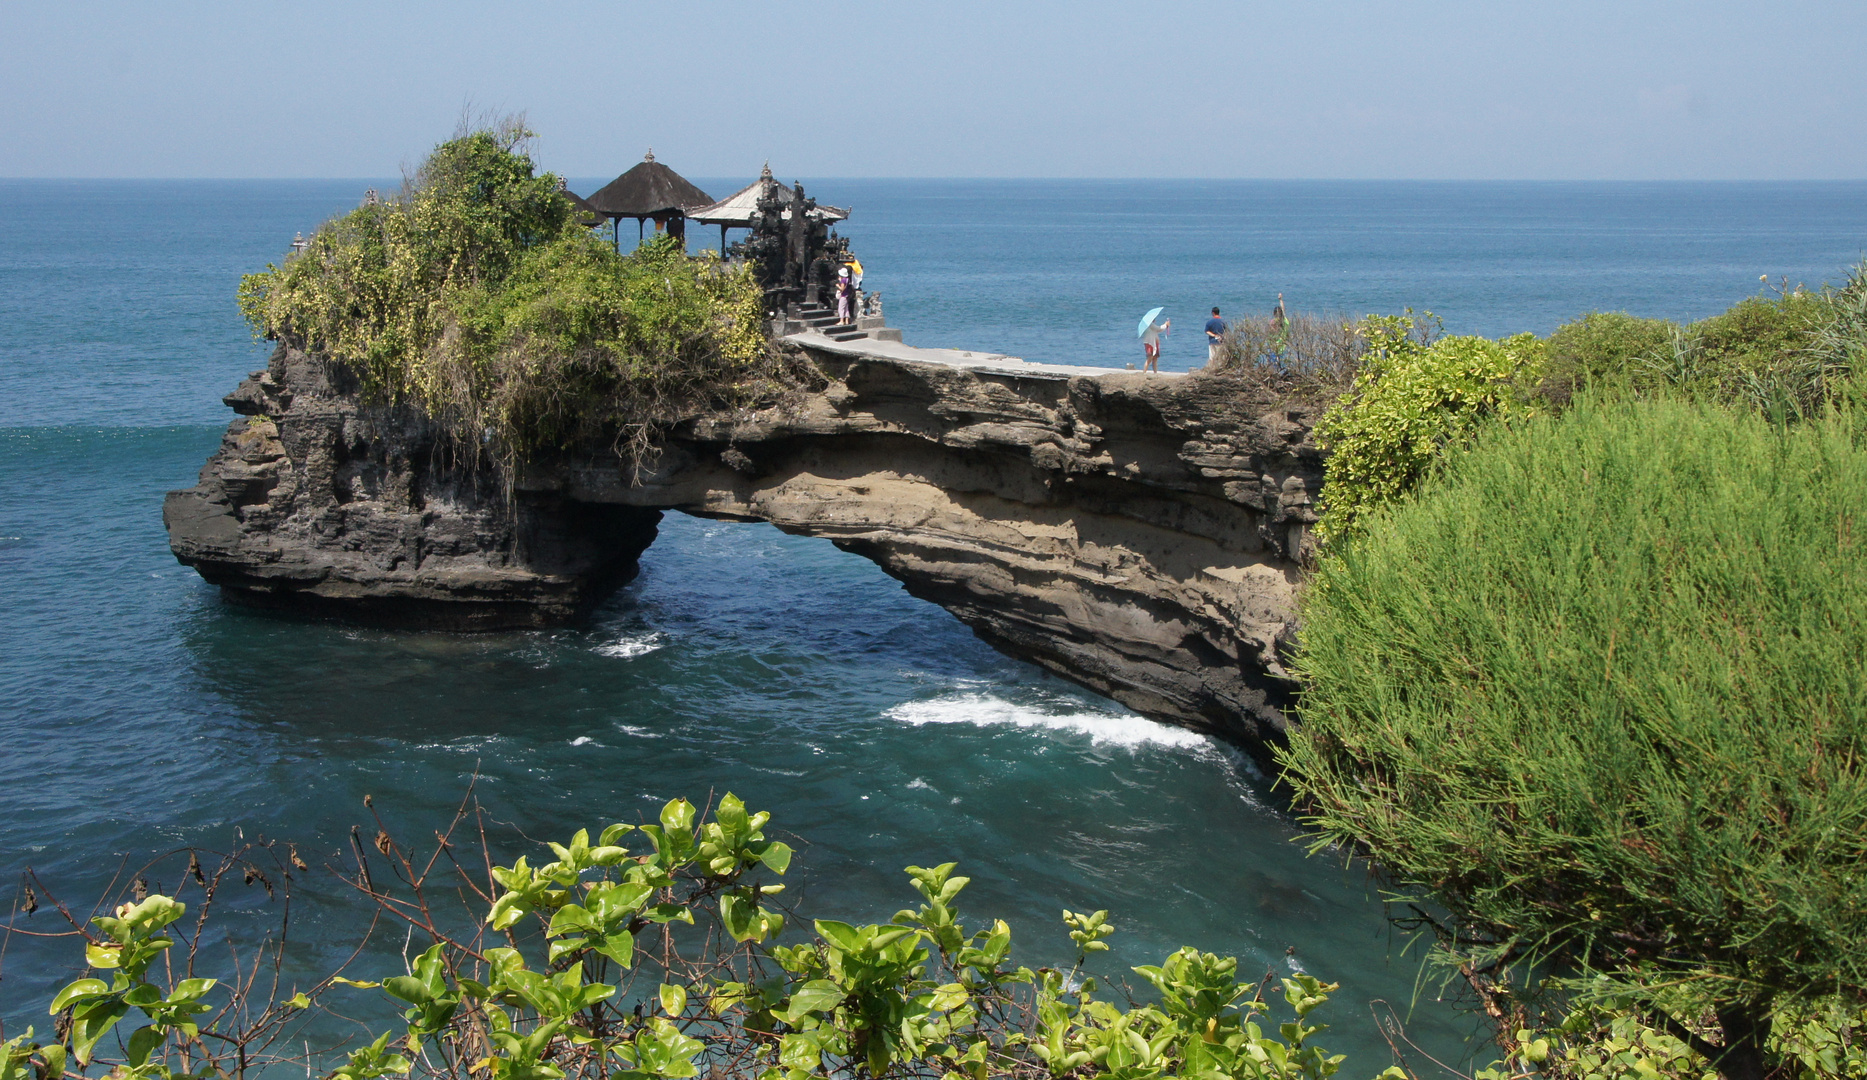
{"x": 1350, "y": 89}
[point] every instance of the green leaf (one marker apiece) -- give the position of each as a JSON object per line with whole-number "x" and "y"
{"x": 801, "y": 1050}
{"x": 840, "y": 934}
{"x": 673, "y": 999}
{"x": 731, "y": 814}
{"x": 619, "y": 947}
{"x": 89, "y": 1025}
{"x": 408, "y": 988}
{"x": 776, "y": 856}
{"x": 678, "y": 816}
{"x": 570, "y": 919}
{"x": 190, "y": 990}
{"x": 817, "y": 995}
{"x": 81, "y": 988}
{"x": 142, "y": 1041}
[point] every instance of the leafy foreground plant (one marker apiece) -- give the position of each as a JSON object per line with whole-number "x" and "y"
{"x": 613, "y": 962}
{"x": 1597, "y": 693}
{"x": 476, "y": 298}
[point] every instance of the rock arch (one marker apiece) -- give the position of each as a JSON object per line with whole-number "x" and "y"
{"x": 1139, "y": 535}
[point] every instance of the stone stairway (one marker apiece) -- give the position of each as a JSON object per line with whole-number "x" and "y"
{"x": 822, "y": 318}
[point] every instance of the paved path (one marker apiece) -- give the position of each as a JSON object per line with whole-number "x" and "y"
{"x": 959, "y": 358}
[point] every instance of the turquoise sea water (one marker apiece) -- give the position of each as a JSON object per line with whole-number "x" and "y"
{"x": 138, "y": 712}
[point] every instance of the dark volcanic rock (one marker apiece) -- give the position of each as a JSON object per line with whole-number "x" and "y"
{"x": 1139, "y": 535}
{"x": 319, "y": 505}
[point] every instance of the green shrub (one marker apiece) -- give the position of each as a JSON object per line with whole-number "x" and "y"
{"x": 476, "y": 298}
{"x": 1761, "y": 353}
{"x": 1598, "y": 691}
{"x": 578, "y": 346}
{"x": 1759, "y": 331}
{"x": 1411, "y": 400}
{"x": 1604, "y": 348}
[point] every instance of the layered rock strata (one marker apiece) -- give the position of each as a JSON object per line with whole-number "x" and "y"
{"x": 1139, "y": 535}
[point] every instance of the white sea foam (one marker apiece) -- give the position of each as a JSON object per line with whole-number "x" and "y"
{"x": 582, "y": 740}
{"x": 630, "y": 646}
{"x": 917, "y": 782}
{"x": 985, "y": 710}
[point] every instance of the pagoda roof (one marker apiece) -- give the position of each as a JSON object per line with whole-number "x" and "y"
{"x": 580, "y": 209}
{"x": 651, "y": 189}
{"x": 740, "y": 209}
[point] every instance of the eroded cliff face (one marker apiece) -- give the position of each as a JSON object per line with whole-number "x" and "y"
{"x": 1140, "y": 535}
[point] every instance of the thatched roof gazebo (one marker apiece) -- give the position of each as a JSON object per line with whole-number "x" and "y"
{"x": 580, "y": 209}
{"x": 740, "y": 209}
{"x": 649, "y": 192}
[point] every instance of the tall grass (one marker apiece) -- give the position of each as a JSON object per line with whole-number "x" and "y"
{"x": 1599, "y": 690}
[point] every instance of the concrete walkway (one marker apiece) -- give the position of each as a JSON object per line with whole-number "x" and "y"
{"x": 959, "y": 358}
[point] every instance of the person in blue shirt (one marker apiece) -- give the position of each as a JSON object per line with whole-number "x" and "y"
{"x": 1215, "y": 332}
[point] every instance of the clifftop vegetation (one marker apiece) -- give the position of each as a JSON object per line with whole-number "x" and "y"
{"x": 1581, "y": 665}
{"x": 1598, "y": 689}
{"x": 475, "y": 297}
{"x": 1398, "y": 394}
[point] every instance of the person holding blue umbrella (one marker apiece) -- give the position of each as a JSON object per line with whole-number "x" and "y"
{"x": 1149, "y": 332}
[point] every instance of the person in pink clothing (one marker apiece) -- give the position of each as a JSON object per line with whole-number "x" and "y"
{"x": 845, "y": 297}
{"x": 1150, "y": 343}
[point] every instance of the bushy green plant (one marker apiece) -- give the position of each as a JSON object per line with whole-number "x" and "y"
{"x": 584, "y": 966}
{"x": 1410, "y": 401}
{"x": 578, "y": 345}
{"x": 1763, "y": 353}
{"x": 1604, "y": 348}
{"x": 475, "y": 297}
{"x": 1613, "y": 1037}
{"x": 1759, "y": 331}
{"x": 1598, "y": 692}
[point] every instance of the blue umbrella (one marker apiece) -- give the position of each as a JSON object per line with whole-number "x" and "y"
{"x": 1147, "y": 321}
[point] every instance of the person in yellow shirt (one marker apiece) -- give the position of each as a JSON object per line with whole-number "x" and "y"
{"x": 855, "y": 270}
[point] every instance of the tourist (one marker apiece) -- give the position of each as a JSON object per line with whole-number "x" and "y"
{"x": 1215, "y": 335}
{"x": 1278, "y": 321}
{"x": 855, "y": 270}
{"x": 1150, "y": 343}
{"x": 845, "y": 297}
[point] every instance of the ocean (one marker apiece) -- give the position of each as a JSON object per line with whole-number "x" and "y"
{"x": 139, "y": 713}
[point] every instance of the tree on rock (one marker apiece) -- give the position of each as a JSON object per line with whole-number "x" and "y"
{"x": 1598, "y": 693}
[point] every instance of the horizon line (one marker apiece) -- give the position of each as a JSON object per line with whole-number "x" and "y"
{"x": 1066, "y": 179}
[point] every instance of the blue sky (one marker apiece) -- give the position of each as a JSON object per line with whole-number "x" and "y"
{"x": 1348, "y": 89}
